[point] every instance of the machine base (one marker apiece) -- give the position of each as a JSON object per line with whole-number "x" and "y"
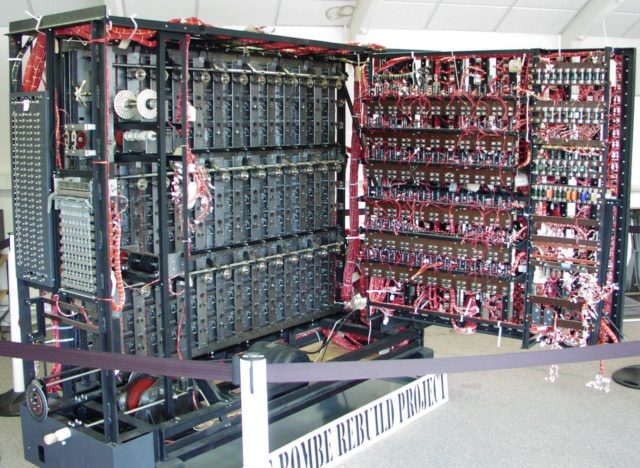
{"x": 81, "y": 449}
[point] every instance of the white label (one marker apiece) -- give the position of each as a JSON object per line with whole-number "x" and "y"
{"x": 347, "y": 435}
{"x": 515, "y": 66}
{"x": 613, "y": 67}
{"x": 191, "y": 113}
{"x": 113, "y": 187}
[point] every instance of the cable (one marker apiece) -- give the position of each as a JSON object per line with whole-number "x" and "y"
{"x": 330, "y": 335}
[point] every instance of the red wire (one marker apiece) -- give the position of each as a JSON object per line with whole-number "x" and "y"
{"x": 353, "y": 243}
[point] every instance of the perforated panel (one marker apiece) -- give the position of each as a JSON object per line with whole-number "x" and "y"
{"x": 31, "y": 188}
{"x": 77, "y": 239}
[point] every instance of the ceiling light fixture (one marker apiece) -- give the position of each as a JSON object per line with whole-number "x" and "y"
{"x": 337, "y": 12}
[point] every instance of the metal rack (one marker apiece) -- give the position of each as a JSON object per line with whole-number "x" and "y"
{"x": 609, "y": 196}
{"x": 268, "y": 133}
{"x": 396, "y": 111}
{"x": 501, "y": 147}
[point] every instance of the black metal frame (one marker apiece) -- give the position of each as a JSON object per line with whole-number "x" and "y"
{"x": 624, "y": 178}
{"x": 526, "y": 338}
{"x": 280, "y": 406}
{"x": 101, "y": 201}
{"x": 117, "y": 428}
{"x": 604, "y": 234}
{"x": 225, "y": 36}
{"x": 163, "y": 216}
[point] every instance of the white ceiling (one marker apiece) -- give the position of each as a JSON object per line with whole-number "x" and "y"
{"x": 526, "y": 16}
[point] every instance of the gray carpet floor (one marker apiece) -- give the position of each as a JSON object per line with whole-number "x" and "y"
{"x": 514, "y": 418}
{"x": 493, "y": 419}
{"x": 10, "y": 434}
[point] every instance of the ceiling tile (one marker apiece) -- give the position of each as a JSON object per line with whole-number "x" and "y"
{"x": 402, "y": 15}
{"x": 150, "y": 9}
{"x": 471, "y": 18}
{"x": 47, "y": 7}
{"x": 311, "y": 12}
{"x": 237, "y": 12}
{"x": 634, "y": 32}
{"x": 534, "y": 21}
{"x": 629, "y": 6}
{"x": 480, "y": 2}
{"x": 617, "y": 24}
{"x": 13, "y": 11}
{"x": 552, "y": 4}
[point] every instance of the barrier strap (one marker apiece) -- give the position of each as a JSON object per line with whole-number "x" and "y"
{"x": 331, "y": 371}
{"x": 319, "y": 372}
{"x": 113, "y": 361}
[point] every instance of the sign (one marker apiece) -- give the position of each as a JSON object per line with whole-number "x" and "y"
{"x": 364, "y": 426}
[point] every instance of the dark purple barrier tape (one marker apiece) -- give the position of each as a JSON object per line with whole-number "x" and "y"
{"x": 114, "y": 361}
{"x": 345, "y": 370}
{"x": 317, "y": 372}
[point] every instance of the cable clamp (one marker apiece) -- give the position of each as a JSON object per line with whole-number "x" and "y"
{"x": 135, "y": 26}
{"x": 37, "y": 18}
